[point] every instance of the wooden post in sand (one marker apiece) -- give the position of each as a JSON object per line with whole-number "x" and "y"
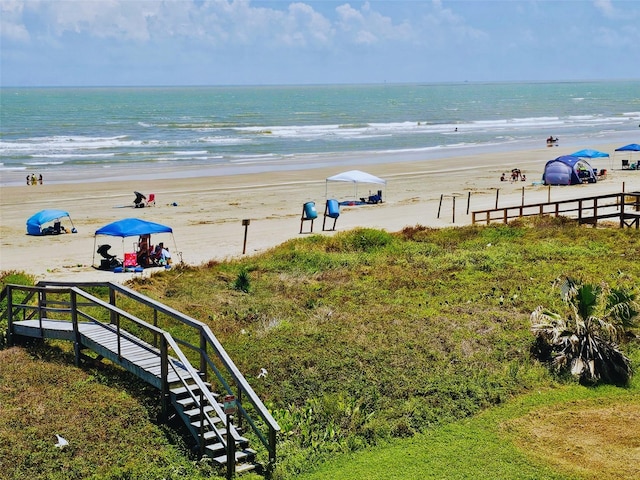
{"x": 453, "y": 220}
{"x": 468, "y": 202}
{"x": 245, "y": 223}
{"x": 497, "y": 194}
{"x": 523, "y": 196}
{"x": 440, "y": 204}
{"x": 549, "y": 195}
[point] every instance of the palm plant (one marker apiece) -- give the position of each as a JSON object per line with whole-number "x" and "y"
{"x": 585, "y": 340}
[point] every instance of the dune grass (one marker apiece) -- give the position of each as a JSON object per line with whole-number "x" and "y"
{"x": 378, "y": 343}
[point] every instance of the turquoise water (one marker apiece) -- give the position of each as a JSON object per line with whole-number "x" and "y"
{"x": 79, "y": 131}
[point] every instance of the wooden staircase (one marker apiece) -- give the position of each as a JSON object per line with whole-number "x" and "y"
{"x": 68, "y": 312}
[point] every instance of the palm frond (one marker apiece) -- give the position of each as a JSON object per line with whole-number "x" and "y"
{"x": 584, "y": 342}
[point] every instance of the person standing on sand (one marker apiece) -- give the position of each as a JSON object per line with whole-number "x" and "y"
{"x": 40, "y": 179}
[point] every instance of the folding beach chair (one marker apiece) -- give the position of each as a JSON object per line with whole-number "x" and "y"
{"x": 331, "y": 210}
{"x": 151, "y": 200}
{"x": 308, "y": 213}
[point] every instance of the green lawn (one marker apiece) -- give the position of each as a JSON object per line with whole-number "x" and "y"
{"x": 401, "y": 355}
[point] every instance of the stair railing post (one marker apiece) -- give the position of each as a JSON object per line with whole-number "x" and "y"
{"x": 119, "y": 344}
{"x": 231, "y": 450}
{"x": 9, "y": 315}
{"x": 239, "y": 401}
{"x": 155, "y": 324}
{"x": 272, "y": 446}
{"x": 76, "y": 329}
{"x": 112, "y": 301}
{"x": 203, "y": 355}
{"x": 164, "y": 377}
{"x": 40, "y": 310}
{"x": 622, "y": 210}
{"x": 201, "y": 429}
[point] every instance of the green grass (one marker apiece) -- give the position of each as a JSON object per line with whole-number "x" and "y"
{"x": 375, "y": 340}
{"x": 483, "y": 447}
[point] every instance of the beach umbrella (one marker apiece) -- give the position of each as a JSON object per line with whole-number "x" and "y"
{"x": 131, "y": 227}
{"x": 355, "y": 177}
{"x": 591, "y": 154}
{"x": 631, "y": 148}
{"x": 35, "y": 222}
{"x": 588, "y": 153}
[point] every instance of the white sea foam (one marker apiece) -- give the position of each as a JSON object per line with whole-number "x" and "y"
{"x": 33, "y": 164}
{"x": 245, "y": 126}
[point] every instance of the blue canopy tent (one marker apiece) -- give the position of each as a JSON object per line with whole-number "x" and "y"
{"x": 131, "y": 227}
{"x": 588, "y": 153}
{"x": 35, "y": 222}
{"x": 591, "y": 154}
{"x": 568, "y": 170}
{"x": 632, "y": 147}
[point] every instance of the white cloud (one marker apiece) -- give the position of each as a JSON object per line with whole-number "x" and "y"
{"x": 367, "y": 26}
{"x": 605, "y": 6}
{"x": 11, "y": 24}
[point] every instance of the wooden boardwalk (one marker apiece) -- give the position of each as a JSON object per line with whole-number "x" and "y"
{"x": 123, "y": 349}
{"x": 68, "y": 312}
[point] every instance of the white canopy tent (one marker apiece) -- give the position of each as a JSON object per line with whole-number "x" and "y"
{"x": 355, "y": 177}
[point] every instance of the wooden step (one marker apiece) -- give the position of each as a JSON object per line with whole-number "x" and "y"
{"x": 194, "y": 412}
{"x": 181, "y": 390}
{"x": 188, "y": 401}
{"x": 245, "y": 467}
{"x": 196, "y": 424}
{"x": 241, "y": 455}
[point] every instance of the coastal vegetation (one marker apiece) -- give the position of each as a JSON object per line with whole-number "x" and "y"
{"x": 381, "y": 355}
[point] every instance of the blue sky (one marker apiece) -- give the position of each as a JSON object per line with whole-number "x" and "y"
{"x": 242, "y": 42}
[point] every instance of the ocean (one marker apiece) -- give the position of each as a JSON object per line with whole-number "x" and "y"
{"x": 84, "y": 134}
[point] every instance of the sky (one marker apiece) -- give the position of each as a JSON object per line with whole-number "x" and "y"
{"x": 243, "y": 42}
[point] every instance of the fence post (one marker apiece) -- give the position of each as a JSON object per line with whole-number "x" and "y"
{"x": 549, "y": 194}
{"x": 9, "y": 316}
{"x": 76, "y": 329}
{"x": 580, "y": 211}
{"x": 164, "y": 374}
{"x": 497, "y": 194}
{"x": 454, "y": 210}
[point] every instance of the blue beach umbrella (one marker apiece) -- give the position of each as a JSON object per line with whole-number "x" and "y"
{"x": 588, "y": 153}
{"x": 35, "y": 222}
{"x": 631, "y": 148}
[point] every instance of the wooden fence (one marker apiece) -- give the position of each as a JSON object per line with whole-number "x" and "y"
{"x": 625, "y": 207}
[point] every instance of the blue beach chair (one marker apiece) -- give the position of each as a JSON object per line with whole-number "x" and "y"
{"x": 308, "y": 213}
{"x": 331, "y": 210}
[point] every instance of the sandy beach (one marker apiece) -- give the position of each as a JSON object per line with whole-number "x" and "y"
{"x": 206, "y": 212}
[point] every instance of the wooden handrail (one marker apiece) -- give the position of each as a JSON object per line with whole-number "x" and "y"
{"x": 207, "y": 343}
{"x": 579, "y": 206}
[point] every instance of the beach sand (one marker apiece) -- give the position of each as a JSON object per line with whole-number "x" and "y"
{"x": 206, "y": 213}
